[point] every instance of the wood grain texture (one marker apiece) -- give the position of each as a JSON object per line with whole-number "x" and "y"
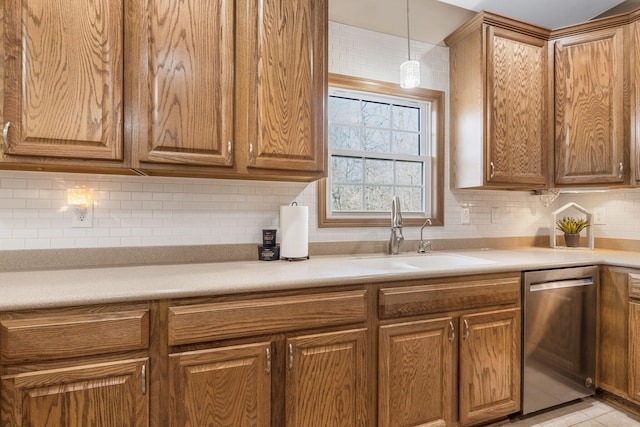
{"x": 634, "y": 107}
{"x": 191, "y": 82}
{"x": 415, "y": 374}
{"x": 634, "y": 285}
{"x": 489, "y": 365}
{"x": 227, "y": 386}
{"x": 102, "y": 394}
{"x": 64, "y": 77}
{"x": 589, "y": 102}
{"x": 500, "y": 103}
{"x": 206, "y": 322}
{"x": 326, "y": 382}
{"x": 634, "y": 351}
{"x": 439, "y": 298}
{"x": 288, "y": 126}
{"x": 613, "y": 329}
{"x": 63, "y": 336}
{"x": 517, "y": 139}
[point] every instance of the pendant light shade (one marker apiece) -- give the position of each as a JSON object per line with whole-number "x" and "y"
{"x": 409, "y": 74}
{"x": 409, "y": 70}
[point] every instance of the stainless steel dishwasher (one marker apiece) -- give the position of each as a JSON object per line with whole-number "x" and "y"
{"x": 559, "y": 340}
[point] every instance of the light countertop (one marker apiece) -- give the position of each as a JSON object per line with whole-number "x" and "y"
{"x": 56, "y": 288}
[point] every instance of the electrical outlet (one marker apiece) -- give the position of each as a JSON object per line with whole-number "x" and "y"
{"x": 599, "y": 216}
{"x": 465, "y": 216}
{"x": 82, "y": 217}
{"x": 495, "y": 215}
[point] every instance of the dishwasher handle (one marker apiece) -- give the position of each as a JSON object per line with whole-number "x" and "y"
{"x": 559, "y": 284}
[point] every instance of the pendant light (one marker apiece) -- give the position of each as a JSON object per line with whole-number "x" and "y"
{"x": 409, "y": 70}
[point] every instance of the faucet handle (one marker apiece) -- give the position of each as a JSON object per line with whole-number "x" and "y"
{"x": 424, "y": 246}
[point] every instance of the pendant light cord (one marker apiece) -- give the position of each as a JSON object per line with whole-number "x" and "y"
{"x": 408, "y": 34}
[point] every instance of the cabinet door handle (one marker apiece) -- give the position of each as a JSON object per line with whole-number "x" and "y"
{"x": 620, "y": 170}
{"x": 466, "y": 330}
{"x": 268, "y": 370}
{"x": 452, "y": 332}
{"x": 251, "y": 158}
{"x": 492, "y": 170}
{"x": 290, "y": 356}
{"x": 229, "y": 155}
{"x": 5, "y": 135}
{"x": 143, "y": 372}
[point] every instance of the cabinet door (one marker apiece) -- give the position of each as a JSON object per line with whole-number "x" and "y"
{"x": 326, "y": 380}
{"x": 589, "y": 89}
{"x": 517, "y": 108}
{"x": 228, "y": 386}
{"x": 415, "y": 377}
{"x": 64, "y": 76}
{"x": 489, "y": 365}
{"x": 634, "y": 351}
{"x": 187, "y": 94}
{"x": 105, "y": 394}
{"x": 287, "y": 81}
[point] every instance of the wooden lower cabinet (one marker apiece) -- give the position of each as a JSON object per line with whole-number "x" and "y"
{"x": 418, "y": 365}
{"x": 416, "y": 374}
{"x": 634, "y": 351}
{"x": 98, "y": 394}
{"x": 326, "y": 379}
{"x": 229, "y": 386}
{"x": 490, "y": 348}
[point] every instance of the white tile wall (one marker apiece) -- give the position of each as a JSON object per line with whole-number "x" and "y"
{"x": 151, "y": 211}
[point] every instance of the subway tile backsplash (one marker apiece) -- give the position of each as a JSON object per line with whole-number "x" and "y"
{"x": 156, "y": 211}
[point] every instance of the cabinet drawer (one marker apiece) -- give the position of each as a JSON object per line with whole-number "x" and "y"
{"x": 207, "y": 322}
{"x": 59, "y": 337}
{"x": 437, "y": 298}
{"x": 634, "y": 285}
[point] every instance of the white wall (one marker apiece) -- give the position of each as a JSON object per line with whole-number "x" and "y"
{"x": 149, "y": 211}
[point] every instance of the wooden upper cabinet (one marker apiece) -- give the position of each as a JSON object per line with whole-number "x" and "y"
{"x": 517, "y": 130}
{"x": 634, "y": 72}
{"x": 589, "y": 97}
{"x": 187, "y": 83}
{"x": 64, "y": 79}
{"x": 286, "y": 82}
{"x": 500, "y": 97}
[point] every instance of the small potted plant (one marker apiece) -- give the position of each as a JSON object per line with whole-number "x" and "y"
{"x": 571, "y": 227}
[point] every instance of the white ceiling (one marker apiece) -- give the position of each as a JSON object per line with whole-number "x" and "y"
{"x": 433, "y": 20}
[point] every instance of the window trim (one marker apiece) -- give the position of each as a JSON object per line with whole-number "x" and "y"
{"x": 436, "y": 98}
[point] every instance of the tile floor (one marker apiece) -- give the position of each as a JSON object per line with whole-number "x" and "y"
{"x": 588, "y": 412}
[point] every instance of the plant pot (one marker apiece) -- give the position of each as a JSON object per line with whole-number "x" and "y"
{"x": 571, "y": 240}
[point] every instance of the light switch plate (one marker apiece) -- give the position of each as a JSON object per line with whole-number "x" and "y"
{"x": 465, "y": 216}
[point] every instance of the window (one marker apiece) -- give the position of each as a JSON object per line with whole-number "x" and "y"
{"x": 383, "y": 141}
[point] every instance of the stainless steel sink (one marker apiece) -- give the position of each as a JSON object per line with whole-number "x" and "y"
{"x": 417, "y": 262}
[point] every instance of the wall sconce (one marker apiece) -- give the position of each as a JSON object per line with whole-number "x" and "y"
{"x": 81, "y": 201}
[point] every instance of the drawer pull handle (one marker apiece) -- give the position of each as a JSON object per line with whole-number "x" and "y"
{"x": 466, "y": 330}
{"x": 5, "y": 135}
{"x": 452, "y": 332}
{"x": 290, "y": 356}
{"x": 268, "y": 370}
{"x": 144, "y": 378}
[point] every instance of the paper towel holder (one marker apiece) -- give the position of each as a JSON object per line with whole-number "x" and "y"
{"x": 296, "y": 254}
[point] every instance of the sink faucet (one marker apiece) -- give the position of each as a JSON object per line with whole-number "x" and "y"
{"x": 396, "y": 226}
{"x": 424, "y": 245}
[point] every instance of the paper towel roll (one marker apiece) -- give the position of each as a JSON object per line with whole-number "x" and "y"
{"x": 294, "y": 227}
